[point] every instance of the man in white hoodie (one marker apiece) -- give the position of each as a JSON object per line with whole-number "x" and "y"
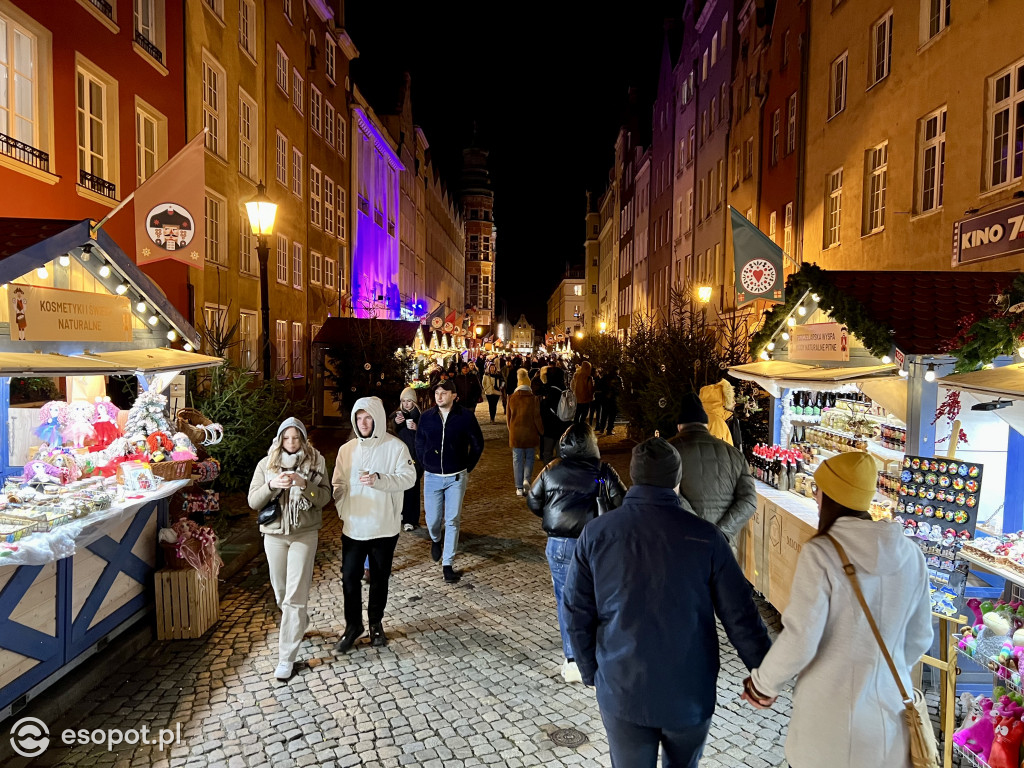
{"x": 372, "y": 472}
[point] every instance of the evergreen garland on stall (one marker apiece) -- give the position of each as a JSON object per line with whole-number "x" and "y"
{"x": 999, "y": 332}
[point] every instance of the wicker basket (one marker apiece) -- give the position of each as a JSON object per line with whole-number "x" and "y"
{"x": 188, "y": 421}
{"x": 172, "y": 470}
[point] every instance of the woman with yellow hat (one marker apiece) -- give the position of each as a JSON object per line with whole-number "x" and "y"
{"x": 847, "y": 708}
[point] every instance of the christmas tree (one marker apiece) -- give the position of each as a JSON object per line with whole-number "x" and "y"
{"x": 147, "y": 416}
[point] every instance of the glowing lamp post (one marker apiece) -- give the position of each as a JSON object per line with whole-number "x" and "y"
{"x": 604, "y": 327}
{"x": 704, "y": 294}
{"x": 262, "y": 212}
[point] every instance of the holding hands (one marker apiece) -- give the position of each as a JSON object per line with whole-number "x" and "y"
{"x": 754, "y": 697}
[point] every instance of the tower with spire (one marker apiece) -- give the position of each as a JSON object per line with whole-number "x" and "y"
{"x": 481, "y": 233}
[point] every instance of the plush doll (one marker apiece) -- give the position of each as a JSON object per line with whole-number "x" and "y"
{"x": 977, "y": 737}
{"x": 160, "y": 446}
{"x": 79, "y": 423}
{"x": 183, "y": 448}
{"x": 41, "y": 473}
{"x": 1005, "y": 751}
{"x": 105, "y": 421}
{"x": 51, "y": 422}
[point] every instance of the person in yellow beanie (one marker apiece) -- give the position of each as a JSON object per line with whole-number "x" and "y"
{"x": 847, "y": 709}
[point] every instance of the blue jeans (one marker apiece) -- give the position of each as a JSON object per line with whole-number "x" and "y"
{"x": 442, "y": 504}
{"x": 560, "y": 552}
{"x": 636, "y": 746}
{"x": 522, "y": 466}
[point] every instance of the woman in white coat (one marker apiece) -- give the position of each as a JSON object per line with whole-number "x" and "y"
{"x": 293, "y": 474}
{"x": 847, "y": 709}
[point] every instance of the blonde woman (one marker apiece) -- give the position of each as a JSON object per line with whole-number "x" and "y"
{"x": 293, "y": 475}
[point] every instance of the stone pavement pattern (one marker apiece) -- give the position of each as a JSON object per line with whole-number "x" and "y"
{"x": 470, "y": 678}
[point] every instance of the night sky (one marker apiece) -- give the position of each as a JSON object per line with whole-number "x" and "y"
{"x": 547, "y": 87}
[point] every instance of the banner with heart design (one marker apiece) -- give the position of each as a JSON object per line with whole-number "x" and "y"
{"x": 758, "y": 263}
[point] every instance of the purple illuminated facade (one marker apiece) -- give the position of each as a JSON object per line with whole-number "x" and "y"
{"x": 377, "y": 250}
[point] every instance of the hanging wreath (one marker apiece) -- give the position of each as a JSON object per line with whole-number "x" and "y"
{"x": 994, "y": 333}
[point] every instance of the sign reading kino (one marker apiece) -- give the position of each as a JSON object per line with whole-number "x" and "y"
{"x": 989, "y": 235}
{"x": 54, "y": 314}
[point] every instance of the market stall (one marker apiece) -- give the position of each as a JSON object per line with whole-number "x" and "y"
{"x": 86, "y": 483}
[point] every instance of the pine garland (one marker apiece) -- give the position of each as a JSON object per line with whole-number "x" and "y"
{"x": 983, "y": 338}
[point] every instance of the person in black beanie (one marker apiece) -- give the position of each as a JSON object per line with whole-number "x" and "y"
{"x": 640, "y": 601}
{"x": 716, "y": 481}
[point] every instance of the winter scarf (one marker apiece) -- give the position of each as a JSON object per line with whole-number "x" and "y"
{"x": 303, "y": 463}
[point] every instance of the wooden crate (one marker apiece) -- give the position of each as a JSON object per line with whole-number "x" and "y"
{"x": 750, "y": 550}
{"x": 186, "y": 604}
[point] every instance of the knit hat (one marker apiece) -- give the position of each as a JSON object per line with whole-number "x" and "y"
{"x": 408, "y": 394}
{"x": 849, "y": 479}
{"x": 291, "y": 421}
{"x": 522, "y": 377}
{"x": 655, "y": 462}
{"x": 691, "y": 410}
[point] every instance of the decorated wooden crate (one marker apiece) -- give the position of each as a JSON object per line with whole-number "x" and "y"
{"x": 187, "y": 604}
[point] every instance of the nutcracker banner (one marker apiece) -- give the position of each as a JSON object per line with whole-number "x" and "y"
{"x": 758, "y": 262}
{"x": 170, "y": 215}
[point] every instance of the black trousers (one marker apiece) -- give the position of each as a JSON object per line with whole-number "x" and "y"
{"x": 354, "y": 553}
{"x": 492, "y": 404}
{"x": 609, "y": 412}
{"x": 411, "y": 501}
{"x": 583, "y": 411}
{"x": 636, "y": 746}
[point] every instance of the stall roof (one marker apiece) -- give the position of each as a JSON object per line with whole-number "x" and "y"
{"x": 158, "y": 360}
{"x": 843, "y": 374}
{"x": 38, "y": 364}
{"x": 769, "y": 369}
{"x": 777, "y": 375}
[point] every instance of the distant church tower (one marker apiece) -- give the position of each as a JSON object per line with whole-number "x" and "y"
{"x": 481, "y": 234}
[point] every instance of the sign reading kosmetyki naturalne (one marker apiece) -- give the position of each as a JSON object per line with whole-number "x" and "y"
{"x": 819, "y": 341}
{"x": 53, "y": 314}
{"x": 989, "y": 235}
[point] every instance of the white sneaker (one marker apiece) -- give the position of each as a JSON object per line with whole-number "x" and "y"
{"x": 519, "y": 491}
{"x": 570, "y": 672}
{"x": 284, "y": 670}
{"x": 407, "y": 527}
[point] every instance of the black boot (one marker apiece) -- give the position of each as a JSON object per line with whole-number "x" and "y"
{"x": 377, "y": 637}
{"x": 349, "y": 638}
{"x": 436, "y": 548}
{"x": 451, "y": 576}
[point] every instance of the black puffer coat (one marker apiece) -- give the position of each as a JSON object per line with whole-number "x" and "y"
{"x": 565, "y": 492}
{"x": 552, "y": 385}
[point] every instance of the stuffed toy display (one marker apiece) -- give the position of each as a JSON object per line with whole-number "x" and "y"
{"x": 79, "y": 423}
{"x": 160, "y": 446}
{"x": 183, "y": 448}
{"x": 51, "y": 422}
{"x": 105, "y": 422}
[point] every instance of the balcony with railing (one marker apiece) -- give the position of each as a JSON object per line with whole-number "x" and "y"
{"x": 24, "y": 153}
{"x": 147, "y": 45}
{"x": 98, "y": 185}
{"x": 103, "y": 7}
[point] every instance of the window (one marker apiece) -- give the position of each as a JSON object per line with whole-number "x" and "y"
{"x": 329, "y": 272}
{"x": 213, "y": 103}
{"x": 92, "y": 110}
{"x": 316, "y": 267}
{"x": 704, "y": 66}
{"x": 298, "y": 356}
{"x": 700, "y": 200}
{"x": 282, "y": 70}
{"x": 932, "y": 159}
{"x": 20, "y": 96}
{"x": 692, "y": 144}
{"x": 785, "y": 50}
{"x": 750, "y": 215}
{"x": 689, "y": 210}
{"x": 736, "y": 168}
{"x": 147, "y": 144}
{"x": 771, "y": 226}
{"x": 748, "y": 160}
{"x": 297, "y": 265}
{"x": 214, "y": 320}
{"x": 837, "y": 86}
{"x": 247, "y": 122}
{"x": 751, "y": 91}
{"x": 342, "y": 137}
{"x": 791, "y": 124}
{"x": 877, "y": 172}
{"x": 245, "y": 262}
{"x": 342, "y": 212}
{"x": 787, "y": 231}
{"x": 316, "y": 211}
{"x": 723, "y": 99}
{"x": 296, "y": 172}
{"x": 577, "y": 290}
{"x": 720, "y": 195}
{"x": 281, "y": 348}
{"x": 248, "y": 340}
{"x": 217, "y": 6}
{"x": 282, "y": 259}
{"x": 148, "y": 30}
{"x": 714, "y": 49}
{"x": 329, "y": 118}
{"x": 215, "y": 243}
{"x": 936, "y": 16}
{"x": 298, "y": 90}
{"x": 247, "y": 26}
{"x": 316, "y": 103}
{"x": 833, "y": 207}
{"x": 328, "y": 206}
{"x": 1005, "y": 120}
{"x": 330, "y": 58}
{"x": 881, "y": 48}
{"x": 776, "y": 127}
{"x": 281, "y": 172}
{"x": 287, "y": 8}
{"x": 714, "y": 113}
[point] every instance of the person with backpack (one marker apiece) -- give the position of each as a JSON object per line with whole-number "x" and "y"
{"x": 567, "y": 494}
{"x": 583, "y": 389}
{"x": 557, "y": 410}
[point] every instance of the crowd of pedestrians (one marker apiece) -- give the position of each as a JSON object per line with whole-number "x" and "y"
{"x": 639, "y": 575}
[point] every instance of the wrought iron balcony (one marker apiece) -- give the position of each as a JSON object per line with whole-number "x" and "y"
{"x": 146, "y": 44}
{"x": 24, "y": 153}
{"x": 98, "y": 185}
{"x": 104, "y": 7}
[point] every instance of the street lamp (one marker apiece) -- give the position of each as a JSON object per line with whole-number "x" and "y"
{"x": 579, "y": 334}
{"x": 262, "y": 212}
{"x": 604, "y": 327}
{"x": 479, "y": 330}
{"x": 704, "y": 294}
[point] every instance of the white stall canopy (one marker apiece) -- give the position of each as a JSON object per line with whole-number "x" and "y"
{"x": 1003, "y": 386}
{"x": 774, "y": 376}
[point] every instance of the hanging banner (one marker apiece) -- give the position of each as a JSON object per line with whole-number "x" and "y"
{"x": 53, "y": 314}
{"x": 989, "y": 235}
{"x": 758, "y": 263}
{"x": 819, "y": 341}
{"x": 169, "y": 209}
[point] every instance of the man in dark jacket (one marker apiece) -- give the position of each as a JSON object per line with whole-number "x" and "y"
{"x": 448, "y": 444}
{"x": 552, "y": 385}
{"x": 467, "y": 387}
{"x": 565, "y": 497}
{"x": 716, "y": 480}
{"x": 641, "y": 596}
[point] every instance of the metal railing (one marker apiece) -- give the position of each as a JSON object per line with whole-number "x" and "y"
{"x": 147, "y": 45}
{"x": 104, "y": 7}
{"x": 96, "y": 184}
{"x": 24, "y": 153}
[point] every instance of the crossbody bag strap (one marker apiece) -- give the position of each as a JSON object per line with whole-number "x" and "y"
{"x": 851, "y": 573}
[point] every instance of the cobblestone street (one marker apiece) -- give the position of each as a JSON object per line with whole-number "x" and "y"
{"x": 470, "y": 678}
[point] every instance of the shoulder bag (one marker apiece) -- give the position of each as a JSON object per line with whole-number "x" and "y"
{"x": 271, "y": 512}
{"x": 923, "y": 751}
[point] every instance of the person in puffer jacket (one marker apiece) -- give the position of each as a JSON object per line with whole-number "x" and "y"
{"x": 564, "y": 495}
{"x": 370, "y": 478}
{"x": 718, "y": 401}
{"x": 716, "y": 481}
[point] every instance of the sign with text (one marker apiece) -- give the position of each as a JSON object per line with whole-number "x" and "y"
{"x": 989, "y": 235}
{"x": 819, "y": 341}
{"x": 53, "y": 314}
